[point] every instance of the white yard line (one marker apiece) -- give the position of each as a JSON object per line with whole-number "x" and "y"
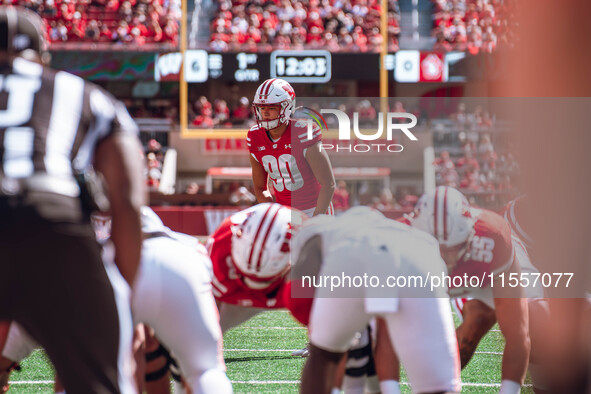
{"x": 291, "y": 350}
{"x": 467, "y": 384}
{"x": 275, "y": 328}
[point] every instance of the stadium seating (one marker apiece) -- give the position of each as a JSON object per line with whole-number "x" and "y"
{"x": 339, "y": 26}
{"x": 101, "y": 21}
{"x": 472, "y": 25}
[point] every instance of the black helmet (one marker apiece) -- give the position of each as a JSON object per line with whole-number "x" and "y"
{"x": 21, "y": 29}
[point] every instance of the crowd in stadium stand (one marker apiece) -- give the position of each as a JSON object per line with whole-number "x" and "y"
{"x": 108, "y": 21}
{"x": 154, "y": 161}
{"x": 472, "y": 25}
{"x": 219, "y": 114}
{"x": 479, "y": 168}
{"x": 335, "y": 25}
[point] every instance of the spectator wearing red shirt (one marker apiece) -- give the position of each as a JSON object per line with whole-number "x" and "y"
{"x": 283, "y": 41}
{"x": 112, "y": 6}
{"x": 468, "y": 161}
{"x": 220, "y": 34}
{"x": 471, "y": 180}
{"x": 242, "y": 113}
{"x": 442, "y": 44}
{"x": 78, "y": 27}
{"x": 474, "y": 43}
{"x": 314, "y": 35}
{"x": 106, "y": 34}
{"x": 170, "y": 31}
{"x": 222, "y": 113}
{"x": 66, "y": 11}
{"x": 204, "y": 120}
{"x": 359, "y": 39}
{"x": 314, "y": 20}
{"x": 250, "y": 45}
{"x": 254, "y": 33}
{"x": 154, "y": 31}
{"x": 201, "y": 105}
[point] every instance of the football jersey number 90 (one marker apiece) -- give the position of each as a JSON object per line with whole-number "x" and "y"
{"x": 284, "y": 172}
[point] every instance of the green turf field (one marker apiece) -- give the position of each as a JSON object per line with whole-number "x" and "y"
{"x": 258, "y": 359}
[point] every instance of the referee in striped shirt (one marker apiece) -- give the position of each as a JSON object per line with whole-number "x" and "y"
{"x": 53, "y": 127}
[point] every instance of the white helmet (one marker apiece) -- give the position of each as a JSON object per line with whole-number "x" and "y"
{"x": 274, "y": 91}
{"x": 261, "y": 243}
{"x": 151, "y": 222}
{"x": 445, "y": 214}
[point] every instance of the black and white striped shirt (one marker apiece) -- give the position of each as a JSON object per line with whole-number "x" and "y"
{"x": 51, "y": 121}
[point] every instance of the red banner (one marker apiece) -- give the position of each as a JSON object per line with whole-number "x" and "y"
{"x": 225, "y": 145}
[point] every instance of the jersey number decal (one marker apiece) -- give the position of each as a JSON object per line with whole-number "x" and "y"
{"x": 482, "y": 249}
{"x": 18, "y": 141}
{"x": 284, "y": 172}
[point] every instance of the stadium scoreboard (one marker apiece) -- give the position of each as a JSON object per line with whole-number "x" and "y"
{"x": 309, "y": 66}
{"x": 302, "y": 66}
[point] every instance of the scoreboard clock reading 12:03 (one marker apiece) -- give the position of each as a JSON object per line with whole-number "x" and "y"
{"x": 301, "y": 66}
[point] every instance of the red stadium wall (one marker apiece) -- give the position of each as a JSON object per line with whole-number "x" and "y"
{"x": 202, "y": 221}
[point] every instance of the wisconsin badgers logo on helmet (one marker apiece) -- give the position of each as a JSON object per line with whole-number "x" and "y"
{"x": 274, "y": 91}
{"x": 445, "y": 214}
{"x": 260, "y": 244}
{"x": 289, "y": 91}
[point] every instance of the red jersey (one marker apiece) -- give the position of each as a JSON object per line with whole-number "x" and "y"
{"x": 490, "y": 250}
{"x": 227, "y": 283}
{"x": 285, "y": 162}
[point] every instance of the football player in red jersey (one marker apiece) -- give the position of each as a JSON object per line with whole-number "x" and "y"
{"x": 299, "y": 170}
{"x": 477, "y": 243}
{"x": 250, "y": 252}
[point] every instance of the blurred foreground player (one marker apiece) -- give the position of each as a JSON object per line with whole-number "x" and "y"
{"x": 172, "y": 294}
{"x": 53, "y": 127}
{"x": 363, "y": 242}
{"x": 555, "y": 173}
{"x": 279, "y": 147}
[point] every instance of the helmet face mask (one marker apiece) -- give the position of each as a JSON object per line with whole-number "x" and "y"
{"x": 274, "y": 92}
{"x": 261, "y": 244}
